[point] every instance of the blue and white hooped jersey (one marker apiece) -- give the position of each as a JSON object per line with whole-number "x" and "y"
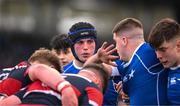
{"x": 174, "y": 86}
{"x": 144, "y": 78}
{"x": 71, "y": 68}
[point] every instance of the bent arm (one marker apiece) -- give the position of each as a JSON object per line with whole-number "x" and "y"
{"x": 53, "y": 79}
{"x": 45, "y": 74}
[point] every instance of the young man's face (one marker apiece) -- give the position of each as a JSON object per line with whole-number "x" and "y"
{"x": 85, "y": 48}
{"x": 119, "y": 46}
{"x": 168, "y": 54}
{"x": 65, "y": 56}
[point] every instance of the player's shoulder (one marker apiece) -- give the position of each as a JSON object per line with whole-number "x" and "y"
{"x": 6, "y": 71}
{"x": 68, "y": 65}
{"x": 22, "y": 64}
{"x": 146, "y": 54}
{"x": 71, "y": 68}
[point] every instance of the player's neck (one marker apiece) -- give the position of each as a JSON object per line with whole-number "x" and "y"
{"x": 92, "y": 76}
{"x": 78, "y": 63}
{"x": 134, "y": 48}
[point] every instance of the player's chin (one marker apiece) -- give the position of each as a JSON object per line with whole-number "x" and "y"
{"x": 64, "y": 63}
{"x": 84, "y": 59}
{"x": 166, "y": 65}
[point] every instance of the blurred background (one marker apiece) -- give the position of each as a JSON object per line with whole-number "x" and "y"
{"x": 26, "y": 25}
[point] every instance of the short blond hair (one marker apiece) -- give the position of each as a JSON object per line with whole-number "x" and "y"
{"x": 44, "y": 55}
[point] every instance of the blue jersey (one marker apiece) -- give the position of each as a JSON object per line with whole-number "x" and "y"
{"x": 174, "y": 86}
{"x": 144, "y": 78}
{"x": 110, "y": 96}
{"x": 71, "y": 68}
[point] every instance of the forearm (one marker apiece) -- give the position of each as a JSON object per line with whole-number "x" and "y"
{"x": 45, "y": 74}
{"x": 53, "y": 79}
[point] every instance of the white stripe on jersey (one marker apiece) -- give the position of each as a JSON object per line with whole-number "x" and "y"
{"x": 93, "y": 103}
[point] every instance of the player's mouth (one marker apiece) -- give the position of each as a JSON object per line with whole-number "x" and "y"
{"x": 85, "y": 55}
{"x": 164, "y": 62}
{"x": 64, "y": 62}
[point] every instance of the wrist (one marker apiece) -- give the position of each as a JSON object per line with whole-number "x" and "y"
{"x": 62, "y": 85}
{"x": 97, "y": 58}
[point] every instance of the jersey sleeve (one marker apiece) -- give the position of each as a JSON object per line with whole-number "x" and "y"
{"x": 21, "y": 75}
{"x": 119, "y": 70}
{"x": 95, "y": 96}
{"x": 21, "y": 93}
{"x": 4, "y": 73}
{"x": 9, "y": 86}
{"x": 16, "y": 80}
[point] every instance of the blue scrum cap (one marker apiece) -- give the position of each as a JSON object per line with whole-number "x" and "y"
{"x": 81, "y": 30}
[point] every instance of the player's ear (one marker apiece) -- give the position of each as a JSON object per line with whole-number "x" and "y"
{"x": 178, "y": 45}
{"x": 125, "y": 40}
{"x": 98, "y": 82}
{"x": 52, "y": 66}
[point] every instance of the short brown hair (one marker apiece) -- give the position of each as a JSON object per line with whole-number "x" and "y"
{"x": 165, "y": 30}
{"x": 46, "y": 56}
{"x": 127, "y": 23}
{"x": 102, "y": 72}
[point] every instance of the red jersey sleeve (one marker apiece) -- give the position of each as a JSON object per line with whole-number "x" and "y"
{"x": 95, "y": 96}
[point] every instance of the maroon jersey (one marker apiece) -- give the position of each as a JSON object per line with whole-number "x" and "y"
{"x": 16, "y": 79}
{"x": 38, "y": 93}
